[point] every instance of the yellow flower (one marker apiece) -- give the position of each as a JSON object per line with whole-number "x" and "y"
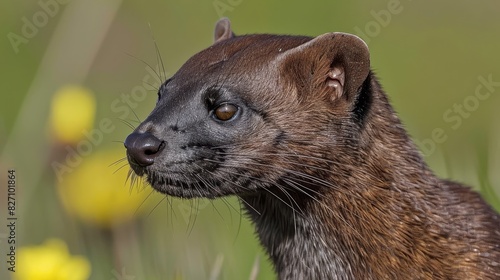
{"x": 50, "y": 261}
{"x": 96, "y": 194}
{"x": 72, "y": 112}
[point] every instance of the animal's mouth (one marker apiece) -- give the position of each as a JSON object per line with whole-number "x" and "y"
{"x": 182, "y": 185}
{"x": 188, "y": 183}
{"x": 138, "y": 170}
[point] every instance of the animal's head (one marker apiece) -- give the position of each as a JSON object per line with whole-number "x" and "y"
{"x": 250, "y": 111}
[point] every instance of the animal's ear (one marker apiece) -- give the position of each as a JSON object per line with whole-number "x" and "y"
{"x": 337, "y": 63}
{"x": 223, "y": 30}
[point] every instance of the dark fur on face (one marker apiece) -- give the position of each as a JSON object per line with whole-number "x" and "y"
{"x": 301, "y": 131}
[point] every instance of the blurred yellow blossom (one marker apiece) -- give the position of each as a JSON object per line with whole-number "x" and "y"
{"x": 97, "y": 194}
{"x": 50, "y": 261}
{"x": 72, "y": 111}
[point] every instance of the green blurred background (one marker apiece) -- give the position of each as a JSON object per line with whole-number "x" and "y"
{"x": 430, "y": 57}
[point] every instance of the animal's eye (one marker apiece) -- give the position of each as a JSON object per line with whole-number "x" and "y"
{"x": 225, "y": 111}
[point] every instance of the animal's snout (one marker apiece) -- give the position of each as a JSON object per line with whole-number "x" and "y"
{"x": 143, "y": 148}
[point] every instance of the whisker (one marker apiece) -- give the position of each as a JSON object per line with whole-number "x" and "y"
{"x": 158, "y": 54}
{"x": 144, "y": 201}
{"x": 117, "y": 161}
{"x": 129, "y": 176}
{"x": 301, "y": 156}
{"x": 195, "y": 201}
{"x": 239, "y": 220}
{"x": 154, "y": 88}
{"x": 127, "y": 123}
{"x": 275, "y": 184}
{"x": 189, "y": 229}
{"x": 326, "y": 206}
{"x": 322, "y": 182}
{"x": 249, "y": 205}
{"x": 156, "y": 206}
{"x": 119, "y": 168}
{"x": 298, "y": 173}
{"x": 228, "y": 205}
{"x": 307, "y": 179}
{"x": 147, "y": 64}
{"x": 136, "y": 117}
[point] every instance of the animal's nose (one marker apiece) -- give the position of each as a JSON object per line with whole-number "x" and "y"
{"x": 143, "y": 148}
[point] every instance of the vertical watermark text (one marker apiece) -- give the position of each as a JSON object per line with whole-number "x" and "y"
{"x": 11, "y": 220}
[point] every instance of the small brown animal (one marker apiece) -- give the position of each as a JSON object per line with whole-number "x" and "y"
{"x": 301, "y": 131}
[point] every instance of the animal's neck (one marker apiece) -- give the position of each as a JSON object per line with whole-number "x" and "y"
{"x": 342, "y": 229}
{"x": 297, "y": 242}
{"x": 332, "y": 233}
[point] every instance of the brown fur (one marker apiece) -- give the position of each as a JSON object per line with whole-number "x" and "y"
{"x": 324, "y": 167}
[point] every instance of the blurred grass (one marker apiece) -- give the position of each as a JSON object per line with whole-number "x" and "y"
{"x": 428, "y": 58}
